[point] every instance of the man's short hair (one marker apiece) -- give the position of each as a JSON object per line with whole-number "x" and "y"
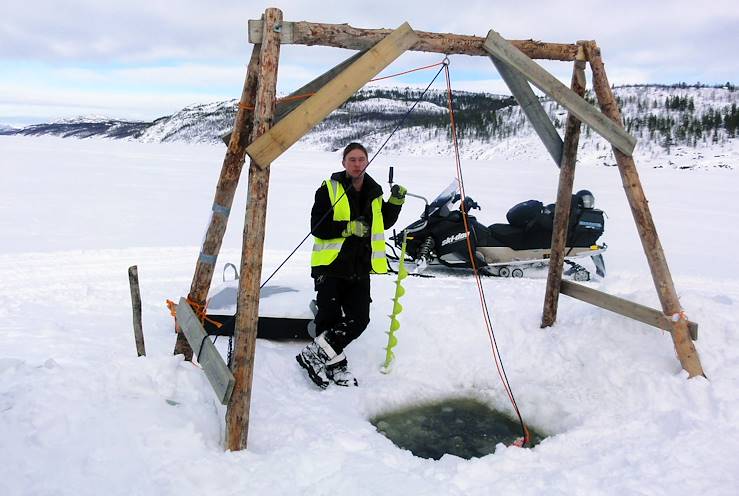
{"x": 354, "y": 146}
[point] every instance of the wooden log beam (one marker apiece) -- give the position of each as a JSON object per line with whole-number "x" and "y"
{"x": 684, "y": 347}
{"x": 346, "y": 36}
{"x": 216, "y": 371}
{"x": 247, "y": 306}
{"x": 623, "y": 307}
{"x": 285, "y": 133}
{"x": 225, "y": 190}
{"x": 564, "y": 200}
{"x": 531, "y": 106}
{"x": 138, "y": 330}
{"x": 615, "y": 134}
{"x": 290, "y": 102}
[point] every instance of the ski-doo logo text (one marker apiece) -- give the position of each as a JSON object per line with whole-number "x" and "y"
{"x": 454, "y": 239}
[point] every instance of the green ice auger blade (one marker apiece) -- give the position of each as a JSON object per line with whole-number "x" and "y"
{"x": 392, "y": 340}
{"x": 394, "y": 326}
{"x": 399, "y": 290}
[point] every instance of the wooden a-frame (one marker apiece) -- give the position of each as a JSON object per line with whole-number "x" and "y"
{"x": 258, "y": 133}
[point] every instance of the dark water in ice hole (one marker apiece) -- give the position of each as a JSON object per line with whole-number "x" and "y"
{"x": 463, "y": 427}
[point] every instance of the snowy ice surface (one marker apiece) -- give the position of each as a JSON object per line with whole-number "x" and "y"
{"x": 80, "y": 414}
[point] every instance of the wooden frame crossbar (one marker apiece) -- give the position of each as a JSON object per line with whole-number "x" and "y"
{"x": 254, "y": 135}
{"x": 623, "y": 307}
{"x": 346, "y": 36}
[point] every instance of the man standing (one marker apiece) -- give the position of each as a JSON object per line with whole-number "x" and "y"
{"x": 348, "y": 221}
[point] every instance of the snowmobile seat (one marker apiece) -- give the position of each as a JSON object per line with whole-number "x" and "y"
{"x": 508, "y": 235}
{"x": 521, "y": 238}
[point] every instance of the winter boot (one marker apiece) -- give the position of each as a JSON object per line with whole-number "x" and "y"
{"x": 337, "y": 371}
{"x": 313, "y": 359}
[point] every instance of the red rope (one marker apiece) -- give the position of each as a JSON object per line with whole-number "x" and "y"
{"x": 306, "y": 95}
{"x": 407, "y": 72}
{"x": 473, "y": 261}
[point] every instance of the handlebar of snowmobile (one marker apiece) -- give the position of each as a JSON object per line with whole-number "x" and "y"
{"x": 425, "y": 201}
{"x": 425, "y": 213}
{"x": 390, "y": 181}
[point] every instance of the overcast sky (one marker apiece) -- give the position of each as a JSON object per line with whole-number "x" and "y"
{"x": 142, "y": 59}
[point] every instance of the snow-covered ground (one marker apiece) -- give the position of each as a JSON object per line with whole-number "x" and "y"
{"x": 80, "y": 414}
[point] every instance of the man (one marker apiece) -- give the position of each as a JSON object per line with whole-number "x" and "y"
{"x": 348, "y": 221}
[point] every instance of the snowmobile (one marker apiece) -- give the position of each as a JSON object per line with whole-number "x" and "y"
{"x": 514, "y": 249}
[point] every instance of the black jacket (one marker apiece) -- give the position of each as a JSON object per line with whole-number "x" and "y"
{"x": 354, "y": 260}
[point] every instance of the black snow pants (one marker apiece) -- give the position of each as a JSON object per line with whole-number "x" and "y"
{"x": 343, "y": 309}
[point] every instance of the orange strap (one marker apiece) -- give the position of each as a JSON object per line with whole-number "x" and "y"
{"x": 200, "y": 311}
{"x": 306, "y": 95}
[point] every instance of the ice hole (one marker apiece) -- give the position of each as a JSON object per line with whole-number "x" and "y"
{"x": 466, "y": 428}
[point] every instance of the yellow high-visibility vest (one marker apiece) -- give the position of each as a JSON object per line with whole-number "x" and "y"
{"x": 325, "y": 251}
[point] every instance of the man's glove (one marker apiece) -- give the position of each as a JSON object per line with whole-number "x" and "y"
{"x": 356, "y": 228}
{"x": 397, "y": 194}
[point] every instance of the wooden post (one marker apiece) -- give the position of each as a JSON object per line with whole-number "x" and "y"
{"x": 247, "y": 309}
{"x": 531, "y": 106}
{"x": 684, "y": 347}
{"x": 564, "y": 198}
{"x": 225, "y": 191}
{"x": 138, "y": 331}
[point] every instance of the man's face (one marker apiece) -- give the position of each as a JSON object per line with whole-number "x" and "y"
{"x": 355, "y": 163}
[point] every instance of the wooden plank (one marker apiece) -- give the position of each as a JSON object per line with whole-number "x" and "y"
{"x": 531, "y": 106}
{"x": 315, "y": 85}
{"x": 138, "y": 331}
{"x": 686, "y": 352}
{"x": 228, "y": 181}
{"x": 289, "y": 104}
{"x": 252, "y": 248}
{"x": 623, "y": 307}
{"x": 285, "y": 133}
{"x": 352, "y": 38}
{"x": 216, "y": 370}
{"x": 550, "y": 85}
{"x": 564, "y": 201}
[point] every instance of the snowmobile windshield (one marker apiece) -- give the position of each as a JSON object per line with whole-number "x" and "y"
{"x": 444, "y": 200}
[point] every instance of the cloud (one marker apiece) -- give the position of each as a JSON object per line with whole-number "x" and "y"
{"x": 144, "y": 31}
{"x": 174, "y": 50}
{"x": 39, "y": 102}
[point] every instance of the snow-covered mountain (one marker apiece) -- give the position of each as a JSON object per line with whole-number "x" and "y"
{"x": 87, "y": 127}
{"x": 675, "y": 120}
